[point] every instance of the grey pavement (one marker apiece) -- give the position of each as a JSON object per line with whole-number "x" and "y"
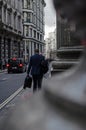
{"x": 1, "y": 71}
{"x": 23, "y": 95}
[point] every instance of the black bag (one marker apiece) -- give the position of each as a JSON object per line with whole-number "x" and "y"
{"x": 27, "y": 82}
{"x": 44, "y": 66}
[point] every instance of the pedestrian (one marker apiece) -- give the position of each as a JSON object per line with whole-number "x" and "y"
{"x": 34, "y": 69}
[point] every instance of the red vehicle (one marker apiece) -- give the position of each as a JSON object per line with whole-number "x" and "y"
{"x": 16, "y": 65}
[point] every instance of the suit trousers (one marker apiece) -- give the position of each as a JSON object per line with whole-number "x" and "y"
{"x": 37, "y": 82}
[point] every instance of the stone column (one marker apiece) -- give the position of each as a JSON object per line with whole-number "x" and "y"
{"x": 25, "y": 50}
{"x": 32, "y": 48}
{"x": 6, "y": 48}
{"x": 2, "y": 51}
{"x": 0, "y": 55}
{"x": 0, "y": 48}
{"x": 9, "y": 48}
{"x": 19, "y": 49}
{"x": 29, "y": 49}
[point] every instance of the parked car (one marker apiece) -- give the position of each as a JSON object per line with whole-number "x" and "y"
{"x": 16, "y": 65}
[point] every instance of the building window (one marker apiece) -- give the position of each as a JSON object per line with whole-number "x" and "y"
{"x": 34, "y": 7}
{"x": 19, "y": 23}
{"x": 26, "y": 31}
{"x": 34, "y": 19}
{"x": 27, "y": 17}
{"x": 25, "y": 4}
{"x": 9, "y": 18}
{"x": 34, "y": 45}
{"x": 15, "y": 21}
{"x": 30, "y": 32}
{"x": 34, "y": 34}
{"x": 28, "y": 4}
{"x": 38, "y": 36}
{"x": 18, "y": 5}
{"x": 4, "y": 15}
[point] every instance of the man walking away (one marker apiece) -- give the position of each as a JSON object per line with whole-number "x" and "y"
{"x": 35, "y": 69}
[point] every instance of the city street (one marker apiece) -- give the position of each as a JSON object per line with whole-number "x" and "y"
{"x": 44, "y": 43}
{"x": 9, "y": 84}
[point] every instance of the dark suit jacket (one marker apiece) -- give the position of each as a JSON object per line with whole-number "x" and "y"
{"x": 34, "y": 65}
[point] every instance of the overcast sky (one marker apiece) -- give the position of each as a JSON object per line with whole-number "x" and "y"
{"x": 50, "y": 17}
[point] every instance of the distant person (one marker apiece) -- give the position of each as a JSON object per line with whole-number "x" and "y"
{"x": 35, "y": 70}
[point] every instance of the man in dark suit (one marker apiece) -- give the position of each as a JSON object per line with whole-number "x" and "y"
{"x": 35, "y": 69}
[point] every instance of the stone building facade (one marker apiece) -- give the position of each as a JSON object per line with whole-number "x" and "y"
{"x": 50, "y": 45}
{"x": 67, "y": 43}
{"x": 69, "y": 48}
{"x": 11, "y": 29}
{"x": 33, "y": 26}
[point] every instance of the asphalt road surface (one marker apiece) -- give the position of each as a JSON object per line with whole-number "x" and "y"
{"x": 9, "y": 84}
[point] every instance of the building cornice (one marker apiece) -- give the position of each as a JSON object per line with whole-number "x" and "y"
{"x": 26, "y": 10}
{"x": 33, "y": 39}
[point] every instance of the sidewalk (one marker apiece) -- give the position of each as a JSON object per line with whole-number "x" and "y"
{"x": 1, "y": 71}
{"x": 22, "y": 96}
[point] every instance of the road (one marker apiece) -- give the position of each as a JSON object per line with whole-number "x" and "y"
{"x": 9, "y": 84}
